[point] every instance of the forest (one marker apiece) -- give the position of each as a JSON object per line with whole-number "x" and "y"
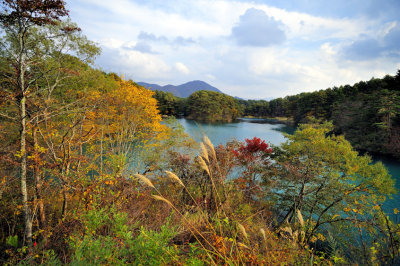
{"x": 367, "y": 113}
{"x": 203, "y": 105}
{"x": 90, "y": 174}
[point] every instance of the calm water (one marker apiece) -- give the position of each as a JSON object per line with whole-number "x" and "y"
{"x": 272, "y": 133}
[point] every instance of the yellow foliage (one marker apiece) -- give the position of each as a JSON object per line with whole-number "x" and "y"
{"x": 129, "y": 112}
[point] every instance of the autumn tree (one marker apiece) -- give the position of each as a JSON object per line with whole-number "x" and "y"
{"x": 253, "y": 157}
{"x": 126, "y": 119}
{"x": 32, "y": 35}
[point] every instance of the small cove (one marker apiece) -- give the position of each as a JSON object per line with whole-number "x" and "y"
{"x": 220, "y": 133}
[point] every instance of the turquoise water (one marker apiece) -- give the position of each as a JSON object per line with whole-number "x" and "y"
{"x": 220, "y": 133}
{"x": 272, "y": 133}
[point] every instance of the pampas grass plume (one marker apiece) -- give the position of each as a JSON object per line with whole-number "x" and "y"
{"x": 203, "y": 165}
{"x": 174, "y": 177}
{"x": 208, "y": 142}
{"x": 262, "y": 231}
{"x": 204, "y": 152}
{"x": 242, "y": 230}
{"x": 144, "y": 180}
{"x": 156, "y": 197}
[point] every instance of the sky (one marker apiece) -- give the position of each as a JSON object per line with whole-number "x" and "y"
{"x": 257, "y": 49}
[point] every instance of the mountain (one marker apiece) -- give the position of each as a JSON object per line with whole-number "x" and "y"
{"x": 183, "y": 90}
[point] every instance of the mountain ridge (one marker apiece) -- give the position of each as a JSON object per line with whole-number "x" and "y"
{"x": 184, "y": 90}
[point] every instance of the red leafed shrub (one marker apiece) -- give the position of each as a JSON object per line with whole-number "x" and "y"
{"x": 253, "y": 149}
{"x": 253, "y": 155}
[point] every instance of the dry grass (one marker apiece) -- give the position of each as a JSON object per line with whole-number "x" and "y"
{"x": 203, "y": 165}
{"x": 242, "y": 230}
{"x": 156, "y": 197}
{"x": 175, "y": 178}
{"x": 210, "y": 146}
{"x": 204, "y": 152}
{"x": 144, "y": 180}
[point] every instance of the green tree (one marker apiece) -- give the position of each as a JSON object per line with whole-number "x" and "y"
{"x": 321, "y": 178}
{"x": 168, "y": 104}
{"x": 388, "y": 109}
{"x": 212, "y": 107}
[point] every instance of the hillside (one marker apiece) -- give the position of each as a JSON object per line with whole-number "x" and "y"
{"x": 367, "y": 113}
{"x": 183, "y": 90}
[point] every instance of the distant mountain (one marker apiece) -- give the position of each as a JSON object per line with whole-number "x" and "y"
{"x": 183, "y": 90}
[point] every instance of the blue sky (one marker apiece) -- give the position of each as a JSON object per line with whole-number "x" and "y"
{"x": 251, "y": 49}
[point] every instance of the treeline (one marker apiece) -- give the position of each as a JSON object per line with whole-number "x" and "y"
{"x": 209, "y": 106}
{"x": 367, "y": 113}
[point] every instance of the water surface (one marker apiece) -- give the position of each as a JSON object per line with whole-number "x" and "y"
{"x": 220, "y": 133}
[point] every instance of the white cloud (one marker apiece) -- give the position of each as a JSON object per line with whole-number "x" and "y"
{"x": 132, "y": 63}
{"x": 150, "y": 40}
{"x": 182, "y": 68}
{"x": 210, "y": 77}
{"x": 257, "y": 29}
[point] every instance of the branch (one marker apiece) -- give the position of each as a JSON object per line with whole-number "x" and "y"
{"x": 8, "y": 117}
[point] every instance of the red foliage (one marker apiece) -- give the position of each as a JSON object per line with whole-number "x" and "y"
{"x": 39, "y": 12}
{"x": 254, "y": 155}
{"x": 253, "y": 149}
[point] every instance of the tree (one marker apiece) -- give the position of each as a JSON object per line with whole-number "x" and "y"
{"x": 321, "y": 177}
{"x": 127, "y": 118}
{"x": 168, "y": 104}
{"x": 32, "y": 34}
{"x": 254, "y": 158}
{"x": 212, "y": 106}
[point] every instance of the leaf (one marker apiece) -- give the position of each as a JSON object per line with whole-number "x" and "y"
{"x": 334, "y": 216}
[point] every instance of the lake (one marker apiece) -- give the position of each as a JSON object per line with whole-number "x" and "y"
{"x": 220, "y": 133}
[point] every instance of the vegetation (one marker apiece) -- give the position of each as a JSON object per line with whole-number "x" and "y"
{"x": 209, "y": 106}
{"x": 90, "y": 175}
{"x": 367, "y": 113}
{"x": 169, "y": 104}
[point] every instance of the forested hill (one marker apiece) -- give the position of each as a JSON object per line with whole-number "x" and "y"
{"x": 210, "y": 106}
{"x": 183, "y": 90}
{"x": 367, "y": 113}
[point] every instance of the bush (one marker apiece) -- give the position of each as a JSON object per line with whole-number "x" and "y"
{"x": 108, "y": 240}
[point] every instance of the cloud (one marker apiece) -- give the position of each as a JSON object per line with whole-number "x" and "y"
{"x": 182, "y": 68}
{"x": 368, "y": 48}
{"x": 181, "y": 41}
{"x": 177, "y": 41}
{"x": 256, "y": 28}
{"x": 363, "y": 49}
{"x": 142, "y": 47}
{"x": 151, "y": 37}
{"x": 392, "y": 39}
{"x": 144, "y": 40}
{"x": 132, "y": 63}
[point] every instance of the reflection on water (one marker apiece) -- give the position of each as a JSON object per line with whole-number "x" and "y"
{"x": 220, "y": 133}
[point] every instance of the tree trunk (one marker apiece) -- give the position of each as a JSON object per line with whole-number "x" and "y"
{"x": 24, "y": 190}
{"x": 38, "y": 181}
{"x": 22, "y": 109}
{"x": 64, "y": 206}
